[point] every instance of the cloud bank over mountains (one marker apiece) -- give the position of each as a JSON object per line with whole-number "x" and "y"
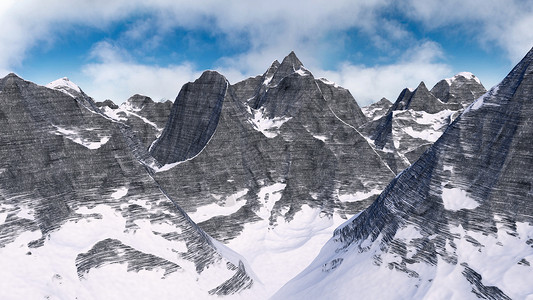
{"x": 374, "y": 48}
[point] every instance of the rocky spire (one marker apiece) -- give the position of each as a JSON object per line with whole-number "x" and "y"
{"x": 466, "y": 205}
{"x": 462, "y": 88}
{"x": 289, "y": 65}
{"x": 193, "y": 119}
{"x": 421, "y": 100}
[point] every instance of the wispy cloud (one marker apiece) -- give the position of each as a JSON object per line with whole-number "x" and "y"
{"x": 25, "y": 24}
{"x": 115, "y": 77}
{"x": 506, "y": 24}
{"x": 369, "y": 84}
{"x": 261, "y": 31}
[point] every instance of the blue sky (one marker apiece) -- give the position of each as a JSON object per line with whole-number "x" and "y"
{"x": 114, "y": 49}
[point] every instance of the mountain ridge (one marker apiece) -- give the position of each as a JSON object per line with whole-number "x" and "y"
{"x": 269, "y": 166}
{"x": 463, "y": 209}
{"x": 82, "y": 212}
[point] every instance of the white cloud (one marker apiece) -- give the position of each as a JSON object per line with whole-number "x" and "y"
{"x": 117, "y": 78}
{"x": 268, "y": 29}
{"x": 506, "y": 24}
{"x": 369, "y": 84}
{"x": 24, "y": 24}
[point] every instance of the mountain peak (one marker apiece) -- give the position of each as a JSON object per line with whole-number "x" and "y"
{"x": 289, "y": 65}
{"x": 193, "y": 119}
{"x": 421, "y": 99}
{"x": 273, "y": 68}
{"x": 421, "y": 87}
{"x": 11, "y": 75}
{"x": 209, "y": 76}
{"x": 463, "y": 88}
{"x": 66, "y": 86}
{"x": 403, "y": 99}
{"x": 10, "y": 80}
{"x": 292, "y": 60}
{"x": 384, "y": 100}
{"x": 137, "y": 102}
{"x": 465, "y": 75}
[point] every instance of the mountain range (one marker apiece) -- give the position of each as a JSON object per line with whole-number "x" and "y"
{"x": 456, "y": 224}
{"x": 82, "y": 217}
{"x": 155, "y": 197}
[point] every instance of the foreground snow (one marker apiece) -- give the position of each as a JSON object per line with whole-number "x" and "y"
{"x": 367, "y": 271}
{"x": 55, "y": 269}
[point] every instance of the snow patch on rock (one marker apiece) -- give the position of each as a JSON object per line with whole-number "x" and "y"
{"x": 455, "y": 199}
{"x": 229, "y": 206}
{"x": 267, "y": 126}
{"x": 77, "y": 136}
{"x": 466, "y": 75}
{"x": 358, "y": 196}
{"x": 66, "y": 86}
{"x": 119, "y": 193}
{"x": 481, "y": 100}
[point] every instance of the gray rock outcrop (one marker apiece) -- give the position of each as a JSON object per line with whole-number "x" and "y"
{"x": 109, "y": 103}
{"x": 448, "y": 222}
{"x": 463, "y": 89}
{"x": 193, "y": 119}
{"x": 288, "y": 129}
{"x": 417, "y": 118}
{"x": 76, "y": 199}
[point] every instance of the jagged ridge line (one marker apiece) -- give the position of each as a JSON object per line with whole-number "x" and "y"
{"x": 380, "y": 159}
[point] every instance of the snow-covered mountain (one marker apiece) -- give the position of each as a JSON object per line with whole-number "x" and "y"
{"x": 418, "y": 118}
{"x": 457, "y": 224}
{"x": 144, "y": 116}
{"x": 71, "y": 89}
{"x": 99, "y": 200}
{"x": 377, "y": 110}
{"x": 81, "y": 217}
{"x": 270, "y": 165}
{"x": 462, "y": 88}
{"x": 270, "y": 159}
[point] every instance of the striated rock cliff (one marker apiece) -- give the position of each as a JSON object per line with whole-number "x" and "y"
{"x": 193, "y": 119}
{"x": 418, "y": 118}
{"x": 457, "y": 224}
{"x": 81, "y": 217}
{"x": 285, "y": 157}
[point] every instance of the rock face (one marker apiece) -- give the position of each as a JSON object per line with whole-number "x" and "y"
{"x": 377, "y": 110}
{"x": 285, "y": 162}
{"x": 193, "y": 119}
{"x": 341, "y": 103}
{"x": 107, "y": 103}
{"x": 145, "y": 117}
{"x": 419, "y": 100}
{"x": 269, "y": 165}
{"x": 417, "y": 118}
{"x": 70, "y": 88}
{"x": 463, "y": 89}
{"x": 456, "y": 224}
{"x": 81, "y": 217}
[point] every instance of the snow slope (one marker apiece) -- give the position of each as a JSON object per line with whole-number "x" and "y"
{"x": 457, "y": 224}
{"x": 83, "y": 218}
